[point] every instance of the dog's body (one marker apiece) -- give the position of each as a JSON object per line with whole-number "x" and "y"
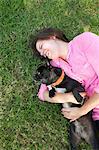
{"x": 81, "y": 128}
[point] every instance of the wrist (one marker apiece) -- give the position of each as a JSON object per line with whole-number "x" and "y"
{"x": 83, "y": 111}
{"x": 46, "y": 95}
{"x": 70, "y": 98}
{"x": 42, "y": 89}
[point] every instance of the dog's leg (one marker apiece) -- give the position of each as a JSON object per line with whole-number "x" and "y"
{"x": 94, "y": 143}
{"x": 87, "y": 131}
{"x": 96, "y": 129}
{"x": 52, "y": 92}
{"x": 94, "y": 139}
{"x": 74, "y": 138}
{"x": 78, "y": 97}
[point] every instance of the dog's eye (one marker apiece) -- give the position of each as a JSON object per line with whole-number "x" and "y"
{"x": 38, "y": 73}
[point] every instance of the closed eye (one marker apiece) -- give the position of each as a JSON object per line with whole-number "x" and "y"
{"x": 40, "y": 47}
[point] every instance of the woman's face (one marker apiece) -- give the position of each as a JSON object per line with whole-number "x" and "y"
{"x": 48, "y": 48}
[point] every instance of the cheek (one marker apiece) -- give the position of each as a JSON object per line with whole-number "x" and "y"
{"x": 46, "y": 46}
{"x": 51, "y": 46}
{"x": 54, "y": 54}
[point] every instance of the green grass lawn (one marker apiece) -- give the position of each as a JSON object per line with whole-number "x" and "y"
{"x": 27, "y": 123}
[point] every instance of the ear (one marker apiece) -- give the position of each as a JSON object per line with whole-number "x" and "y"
{"x": 53, "y": 37}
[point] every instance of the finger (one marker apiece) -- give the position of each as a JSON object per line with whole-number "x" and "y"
{"x": 72, "y": 119}
{"x": 65, "y": 110}
{"x": 66, "y": 115}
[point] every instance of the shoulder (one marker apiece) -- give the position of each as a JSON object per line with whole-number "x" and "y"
{"x": 86, "y": 35}
{"x": 85, "y": 39}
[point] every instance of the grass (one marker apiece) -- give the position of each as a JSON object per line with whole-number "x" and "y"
{"x": 25, "y": 122}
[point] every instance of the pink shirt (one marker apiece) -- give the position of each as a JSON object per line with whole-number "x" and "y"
{"x": 82, "y": 62}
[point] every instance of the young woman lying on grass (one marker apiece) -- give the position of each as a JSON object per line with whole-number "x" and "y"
{"x": 80, "y": 60}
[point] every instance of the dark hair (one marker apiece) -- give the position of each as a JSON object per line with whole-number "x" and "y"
{"x": 45, "y": 34}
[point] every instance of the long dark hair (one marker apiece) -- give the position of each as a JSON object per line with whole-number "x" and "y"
{"x": 45, "y": 34}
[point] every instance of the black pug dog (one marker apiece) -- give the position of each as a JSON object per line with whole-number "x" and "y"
{"x": 82, "y": 128}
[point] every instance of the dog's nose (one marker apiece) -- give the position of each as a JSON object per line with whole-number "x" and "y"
{"x": 36, "y": 77}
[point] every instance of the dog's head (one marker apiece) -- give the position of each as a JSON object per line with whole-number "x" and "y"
{"x": 47, "y": 74}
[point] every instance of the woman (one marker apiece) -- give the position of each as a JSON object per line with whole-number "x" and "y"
{"x": 80, "y": 59}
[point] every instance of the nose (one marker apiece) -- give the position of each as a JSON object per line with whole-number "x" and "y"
{"x": 41, "y": 53}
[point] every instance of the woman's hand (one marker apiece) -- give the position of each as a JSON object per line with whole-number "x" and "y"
{"x": 42, "y": 89}
{"x": 72, "y": 113}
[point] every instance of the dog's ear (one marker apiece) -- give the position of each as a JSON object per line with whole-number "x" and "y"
{"x": 58, "y": 71}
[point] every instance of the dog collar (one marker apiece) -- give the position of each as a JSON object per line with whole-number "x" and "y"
{"x": 59, "y": 80}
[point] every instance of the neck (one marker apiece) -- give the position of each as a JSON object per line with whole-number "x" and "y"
{"x": 63, "y": 49}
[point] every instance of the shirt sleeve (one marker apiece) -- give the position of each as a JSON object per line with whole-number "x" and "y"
{"x": 92, "y": 54}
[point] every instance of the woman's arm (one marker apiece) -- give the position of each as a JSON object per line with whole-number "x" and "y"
{"x": 91, "y": 103}
{"x": 61, "y": 97}
{"x": 75, "y": 112}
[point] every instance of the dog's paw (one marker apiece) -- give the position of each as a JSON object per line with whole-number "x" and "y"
{"x": 52, "y": 93}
